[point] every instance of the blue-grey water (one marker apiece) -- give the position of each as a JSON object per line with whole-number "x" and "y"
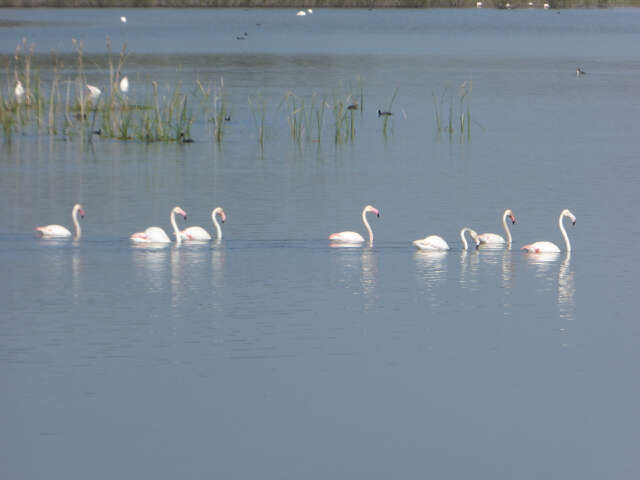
{"x": 272, "y": 354}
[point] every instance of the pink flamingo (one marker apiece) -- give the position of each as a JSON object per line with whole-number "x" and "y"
{"x": 199, "y": 233}
{"x": 548, "y": 247}
{"x": 354, "y": 237}
{"x": 432, "y": 243}
{"x": 156, "y": 234}
{"x": 58, "y": 231}
{"x": 494, "y": 238}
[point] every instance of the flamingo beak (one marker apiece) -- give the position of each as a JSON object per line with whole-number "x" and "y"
{"x": 81, "y": 212}
{"x": 574, "y": 222}
{"x": 513, "y": 220}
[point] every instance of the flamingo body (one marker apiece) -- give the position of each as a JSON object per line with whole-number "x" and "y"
{"x": 491, "y": 238}
{"x": 151, "y": 235}
{"x": 195, "y": 233}
{"x": 124, "y": 84}
{"x": 432, "y": 243}
{"x": 541, "y": 247}
{"x": 94, "y": 92}
{"x": 346, "y": 237}
{"x": 19, "y": 91}
{"x": 58, "y": 231}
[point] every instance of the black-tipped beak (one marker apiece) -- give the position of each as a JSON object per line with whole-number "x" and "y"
{"x": 222, "y": 221}
{"x": 574, "y": 222}
{"x": 185, "y": 217}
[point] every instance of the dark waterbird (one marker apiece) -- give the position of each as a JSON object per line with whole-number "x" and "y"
{"x": 384, "y": 114}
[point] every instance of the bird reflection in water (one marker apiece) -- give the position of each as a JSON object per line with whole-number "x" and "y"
{"x": 431, "y": 269}
{"x": 368, "y": 276}
{"x": 469, "y": 261}
{"x": 217, "y": 265}
{"x": 566, "y": 289}
{"x": 150, "y": 262}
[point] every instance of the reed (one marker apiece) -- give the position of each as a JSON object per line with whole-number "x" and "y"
{"x": 459, "y": 112}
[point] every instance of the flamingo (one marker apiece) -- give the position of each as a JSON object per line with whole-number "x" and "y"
{"x": 354, "y": 237}
{"x": 494, "y": 238}
{"x": 473, "y": 234}
{"x": 301, "y": 13}
{"x": 94, "y": 92}
{"x": 199, "y": 233}
{"x": 433, "y": 243}
{"x": 124, "y": 84}
{"x": 58, "y": 231}
{"x": 156, "y": 234}
{"x": 19, "y": 91}
{"x": 548, "y": 247}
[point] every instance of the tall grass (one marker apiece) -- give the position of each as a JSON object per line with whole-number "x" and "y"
{"x": 459, "y": 112}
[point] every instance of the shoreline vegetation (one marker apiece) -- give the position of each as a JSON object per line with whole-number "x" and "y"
{"x": 499, "y": 4}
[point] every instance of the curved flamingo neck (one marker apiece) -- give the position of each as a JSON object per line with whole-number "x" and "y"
{"x": 172, "y": 217}
{"x": 506, "y": 226}
{"x": 567, "y": 243}
{"x": 464, "y": 240}
{"x": 215, "y": 222}
{"x": 76, "y": 223}
{"x": 366, "y": 224}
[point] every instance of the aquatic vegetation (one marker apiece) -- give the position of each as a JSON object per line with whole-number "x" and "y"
{"x": 145, "y": 110}
{"x": 458, "y": 119}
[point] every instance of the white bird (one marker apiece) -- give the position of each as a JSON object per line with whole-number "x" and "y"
{"x": 94, "y": 92}
{"x": 123, "y": 19}
{"x": 546, "y": 6}
{"x": 473, "y": 234}
{"x": 309, "y": 10}
{"x": 507, "y": 6}
{"x": 58, "y": 231}
{"x": 19, "y": 91}
{"x": 301, "y": 13}
{"x": 432, "y": 243}
{"x": 354, "y": 237}
{"x": 124, "y": 84}
{"x": 199, "y": 233}
{"x": 157, "y": 234}
{"x": 478, "y": 4}
{"x": 494, "y": 238}
{"x": 548, "y": 247}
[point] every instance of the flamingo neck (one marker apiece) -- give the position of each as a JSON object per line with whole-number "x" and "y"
{"x": 216, "y": 224}
{"x": 76, "y": 223}
{"x": 567, "y": 243}
{"x": 172, "y": 217}
{"x": 506, "y": 227}
{"x": 464, "y": 240}
{"x": 366, "y": 224}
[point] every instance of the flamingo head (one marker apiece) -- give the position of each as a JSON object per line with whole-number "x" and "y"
{"x": 511, "y": 216}
{"x": 180, "y": 211}
{"x": 567, "y": 213}
{"x": 474, "y": 235}
{"x": 78, "y": 208}
{"x": 223, "y": 217}
{"x": 370, "y": 208}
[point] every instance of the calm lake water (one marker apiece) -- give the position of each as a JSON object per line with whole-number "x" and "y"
{"x": 273, "y": 355}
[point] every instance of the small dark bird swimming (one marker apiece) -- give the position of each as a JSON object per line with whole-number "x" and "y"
{"x": 381, "y": 113}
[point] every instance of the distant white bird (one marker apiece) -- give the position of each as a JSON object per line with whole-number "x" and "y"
{"x": 94, "y": 92}
{"x": 301, "y": 13}
{"x": 123, "y": 19}
{"x": 309, "y": 10}
{"x": 530, "y": 4}
{"x": 19, "y": 91}
{"x": 478, "y": 4}
{"x": 546, "y": 6}
{"x": 124, "y": 84}
{"x": 507, "y": 6}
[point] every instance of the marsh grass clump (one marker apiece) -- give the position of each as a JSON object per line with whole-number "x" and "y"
{"x": 459, "y": 112}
